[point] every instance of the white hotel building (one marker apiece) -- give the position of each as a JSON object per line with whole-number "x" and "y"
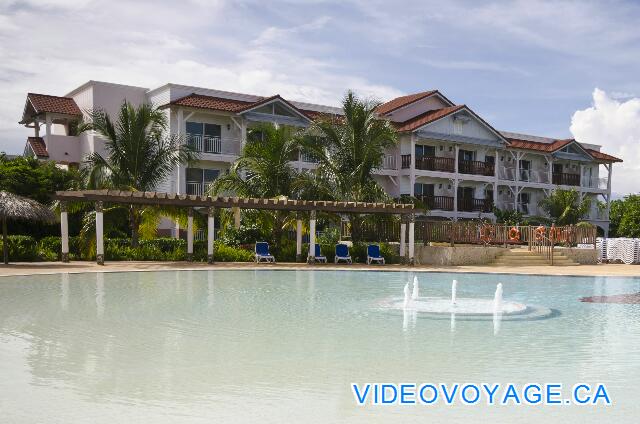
{"x": 447, "y": 155}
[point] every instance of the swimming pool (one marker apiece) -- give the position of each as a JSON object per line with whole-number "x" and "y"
{"x": 285, "y": 346}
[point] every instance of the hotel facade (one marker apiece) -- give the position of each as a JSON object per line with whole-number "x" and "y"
{"x": 446, "y": 155}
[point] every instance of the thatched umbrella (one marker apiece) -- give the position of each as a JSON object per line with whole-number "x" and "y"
{"x": 13, "y": 206}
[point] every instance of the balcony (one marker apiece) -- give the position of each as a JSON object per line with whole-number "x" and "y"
{"x": 599, "y": 183}
{"x": 197, "y": 188}
{"x": 566, "y": 179}
{"x": 475, "y": 167}
{"x": 389, "y": 162}
{"x": 430, "y": 163}
{"x": 465, "y": 204}
{"x": 444, "y": 203}
{"x": 214, "y": 144}
{"x": 469, "y": 204}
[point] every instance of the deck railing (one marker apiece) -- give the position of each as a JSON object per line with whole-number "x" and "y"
{"x": 476, "y": 167}
{"x": 565, "y": 179}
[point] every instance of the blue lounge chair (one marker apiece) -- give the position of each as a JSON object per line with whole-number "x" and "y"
{"x": 318, "y": 255}
{"x": 373, "y": 254}
{"x": 262, "y": 252}
{"x": 342, "y": 254}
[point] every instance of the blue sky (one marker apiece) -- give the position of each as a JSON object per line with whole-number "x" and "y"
{"x": 524, "y": 66}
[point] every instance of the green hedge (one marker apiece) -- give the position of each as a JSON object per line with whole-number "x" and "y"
{"x": 26, "y": 248}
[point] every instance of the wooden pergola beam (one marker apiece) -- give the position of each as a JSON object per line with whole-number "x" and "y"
{"x": 172, "y": 199}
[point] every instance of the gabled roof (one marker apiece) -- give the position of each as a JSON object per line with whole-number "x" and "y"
{"x": 426, "y": 118}
{"x": 603, "y": 156}
{"x": 535, "y": 145}
{"x": 403, "y": 101}
{"x": 38, "y": 147}
{"x": 53, "y": 104}
{"x": 200, "y": 101}
{"x": 556, "y": 145}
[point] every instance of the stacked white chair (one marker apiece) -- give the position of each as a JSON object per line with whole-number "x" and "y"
{"x": 622, "y": 249}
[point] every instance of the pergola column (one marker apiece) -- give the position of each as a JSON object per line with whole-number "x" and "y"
{"x": 412, "y": 226}
{"x": 236, "y": 216}
{"x": 298, "y": 239}
{"x": 312, "y": 238}
{"x": 190, "y": 234}
{"x": 99, "y": 233}
{"x": 64, "y": 232}
{"x": 210, "y": 234}
{"x": 403, "y": 236}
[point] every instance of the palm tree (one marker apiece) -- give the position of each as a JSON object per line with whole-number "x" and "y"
{"x": 349, "y": 149}
{"x": 264, "y": 170}
{"x": 140, "y": 155}
{"x": 565, "y": 206}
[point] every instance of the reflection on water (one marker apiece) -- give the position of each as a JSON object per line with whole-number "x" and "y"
{"x": 283, "y": 346}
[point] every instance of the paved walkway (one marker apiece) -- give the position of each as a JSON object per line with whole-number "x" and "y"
{"x": 76, "y": 267}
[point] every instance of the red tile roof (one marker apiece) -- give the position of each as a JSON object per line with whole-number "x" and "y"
{"x": 427, "y": 117}
{"x": 200, "y": 101}
{"x": 399, "y": 102}
{"x": 38, "y": 147}
{"x": 536, "y": 145}
{"x": 557, "y": 145}
{"x": 603, "y": 156}
{"x": 53, "y": 104}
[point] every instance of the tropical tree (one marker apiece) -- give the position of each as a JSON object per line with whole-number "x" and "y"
{"x": 348, "y": 149}
{"x": 565, "y": 206}
{"x": 140, "y": 155}
{"x": 625, "y": 217}
{"x": 264, "y": 170}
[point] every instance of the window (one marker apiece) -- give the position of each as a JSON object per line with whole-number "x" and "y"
{"x": 204, "y": 137}
{"x": 457, "y": 126}
{"x": 420, "y": 189}
{"x": 466, "y": 155}
{"x": 198, "y": 180}
{"x": 275, "y": 108}
{"x": 525, "y": 170}
{"x": 422, "y": 150}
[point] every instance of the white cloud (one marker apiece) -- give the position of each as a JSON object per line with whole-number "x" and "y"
{"x": 615, "y": 125}
{"x": 217, "y": 44}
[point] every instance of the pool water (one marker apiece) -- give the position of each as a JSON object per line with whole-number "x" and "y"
{"x": 284, "y": 346}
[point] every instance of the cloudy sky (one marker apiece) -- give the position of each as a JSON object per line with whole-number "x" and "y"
{"x": 556, "y": 68}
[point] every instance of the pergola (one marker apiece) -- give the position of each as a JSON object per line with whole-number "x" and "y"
{"x": 99, "y": 197}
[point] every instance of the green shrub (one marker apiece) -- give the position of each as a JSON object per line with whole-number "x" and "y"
{"x": 245, "y": 235}
{"x": 21, "y": 248}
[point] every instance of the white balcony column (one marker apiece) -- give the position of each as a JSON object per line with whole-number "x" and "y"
{"x": 64, "y": 232}
{"x": 298, "y": 239}
{"x": 412, "y": 168}
{"x": 549, "y": 169}
{"x": 312, "y": 238}
{"x": 48, "y": 124}
{"x": 210, "y": 233}
{"x": 455, "y": 197}
{"x": 403, "y": 236}
{"x": 190, "y": 234}
{"x": 581, "y": 177}
{"x": 412, "y": 237}
{"x": 609, "y": 168}
{"x": 99, "y": 234}
{"x": 455, "y": 162}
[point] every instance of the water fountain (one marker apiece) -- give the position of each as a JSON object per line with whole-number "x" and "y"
{"x": 454, "y": 289}
{"x": 463, "y": 308}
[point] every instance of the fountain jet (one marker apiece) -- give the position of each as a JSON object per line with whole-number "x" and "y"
{"x": 416, "y": 289}
{"x": 454, "y": 287}
{"x": 407, "y": 296}
{"x": 497, "y": 299}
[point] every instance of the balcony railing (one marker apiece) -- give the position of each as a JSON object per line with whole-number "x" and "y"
{"x": 468, "y": 204}
{"x": 389, "y": 162}
{"x": 435, "y": 163}
{"x": 308, "y": 157}
{"x": 476, "y": 167}
{"x": 205, "y": 144}
{"x": 406, "y": 161}
{"x": 566, "y": 179}
{"x": 444, "y": 203}
{"x": 599, "y": 183}
{"x": 197, "y": 188}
